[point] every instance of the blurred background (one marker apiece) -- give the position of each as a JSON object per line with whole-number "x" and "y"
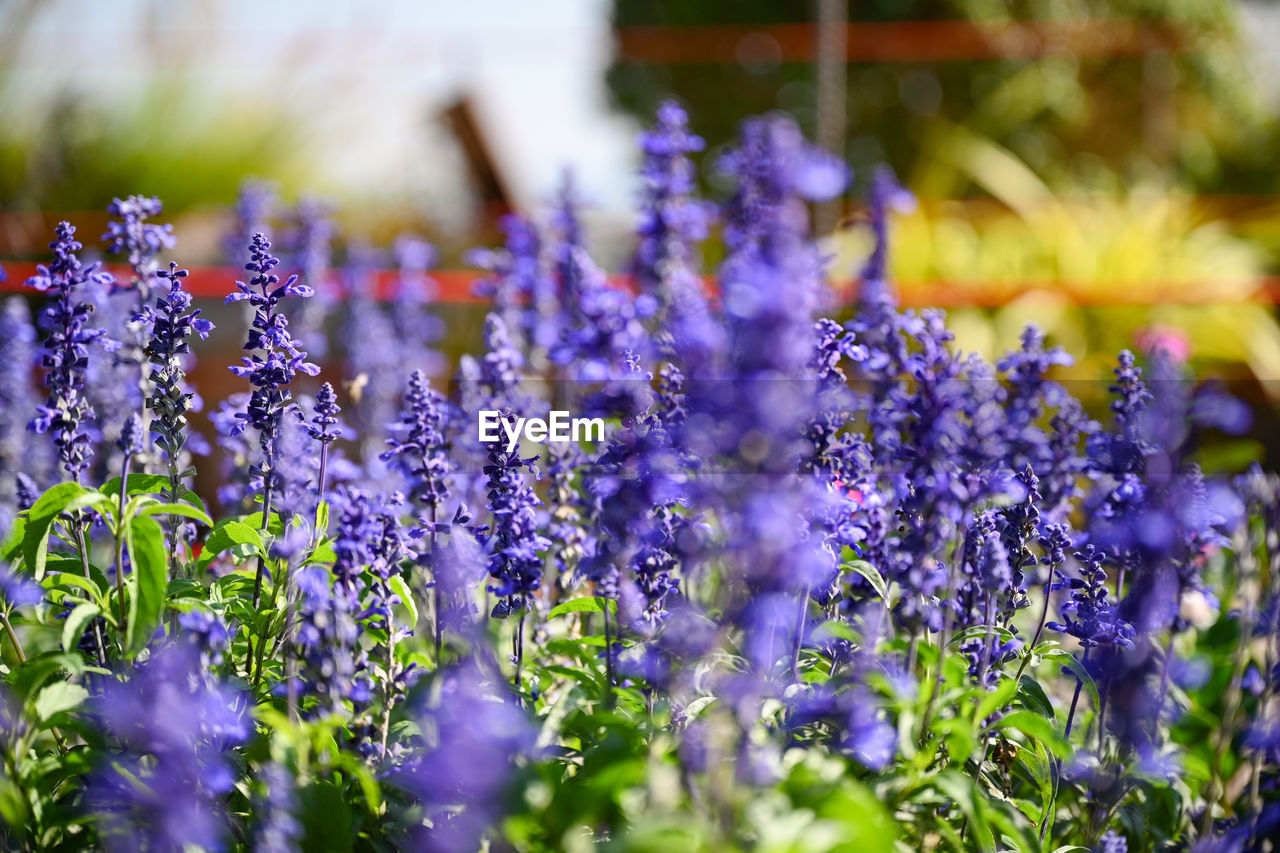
{"x": 1102, "y": 167}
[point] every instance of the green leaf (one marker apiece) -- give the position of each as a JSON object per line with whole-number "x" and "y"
{"x": 64, "y": 497}
{"x": 322, "y": 518}
{"x": 226, "y": 535}
{"x": 323, "y": 553}
{"x": 368, "y": 783}
{"x": 1036, "y": 726}
{"x": 400, "y": 588}
{"x": 585, "y": 604}
{"x": 73, "y": 628}
{"x": 963, "y": 793}
{"x": 57, "y": 579}
{"x": 12, "y": 546}
{"x": 1033, "y": 696}
{"x": 1002, "y": 635}
{"x": 959, "y": 735}
{"x": 1077, "y": 669}
{"x": 59, "y": 697}
{"x": 149, "y": 582}
{"x": 29, "y": 676}
{"x": 872, "y": 575}
{"x": 151, "y": 484}
{"x": 254, "y": 520}
{"x": 996, "y": 699}
{"x": 185, "y": 510}
{"x": 326, "y": 817}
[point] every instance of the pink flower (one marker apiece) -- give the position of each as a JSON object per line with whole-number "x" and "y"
{"x": 1173, "y": 340}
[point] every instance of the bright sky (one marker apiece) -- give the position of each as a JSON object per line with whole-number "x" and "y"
{"x": 371, "y": 77}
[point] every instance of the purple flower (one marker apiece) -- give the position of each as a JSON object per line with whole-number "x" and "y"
{"x": 278, "y": 829}
{"x": 327, "y": 639}
{"x": 308, "y": 254}
{"x": 1112, "y": 842}
{"x": 601, "y": 328}
{"x": 172, "y": 322}
{"x": 512, "y": 541}
{"x": 566, "y": 231}
{"x": 418, "y": 447}
{"x": 166, "y": 789}
{"x": 18, "y": 590}
{"x": 207, "y": 632}
{"x": 636, "y": 487}
{"x": 251, "y": 214}
{"x": 140, "y": 242}
{"x": 417, "y": 329}
{"x": 500, "y": 368}
{"x": 569, "y": 511}
{"x": 324, "y": 428}
{"x": 862, "y": 731}
{"x": 374, "y": 366}
{"x": 1122, "y": 451}
{"x": 471, "y": 736}
{"x": 132, "y": 442}
{"x": 19, "y": 454}
{"x": 772, "y": 276}
{"x": 672, "y": 222}
{"x": 518, "y": 282}
{"x": 25, "y": 491}
{"x": 66, "y": 357}
{"x": 114, "y": 383}
{"x": 275, "y": 357}
{"x": 886, "y": 195}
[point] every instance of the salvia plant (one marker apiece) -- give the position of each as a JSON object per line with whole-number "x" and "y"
{"x": 823, "y": 581}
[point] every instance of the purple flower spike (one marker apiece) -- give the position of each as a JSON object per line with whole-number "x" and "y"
{"x": 417, "y": 444}
{"x": 254, "y": 204}
{"x": 132, "y": 236}
{"x": 20, "y": 452}
{"x": 473, "y": 735}
{"x": 132, "y": 442}
{"x": 165, "y": 790}
{"x": 514, "y": 545}
{"x": 521, "y": 287}
{"x": 173, "y": 321}
{"x": 66, "y": 357}
{"x": 324, "y": 426}
{"x": 275, "y": 359}
{"x": 1089, "y": 615}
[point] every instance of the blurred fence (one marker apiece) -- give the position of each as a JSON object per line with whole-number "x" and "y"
{"x": 457, "y": 287}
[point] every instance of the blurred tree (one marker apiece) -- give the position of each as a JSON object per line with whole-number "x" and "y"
{"x": 76, "y": 154}
{"x": 1083, "y": 91}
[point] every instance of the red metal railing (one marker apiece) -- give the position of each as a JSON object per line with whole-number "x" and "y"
{"x": 909, "y": 41}
{"x": 455, "y": 287}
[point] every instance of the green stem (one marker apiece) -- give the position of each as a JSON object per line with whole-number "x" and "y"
{"x": 1035, "y": 639}
{"x": 948, "y": 623}
{"x": 320, "y": 487}
{"x": 281, "y": 579}
{"x": 388, "y": 686}
{"x": 13, "y": 637}
{"x": 436, "y": 597}
{"x": 120, "y": 540}
{"x": 268, "y": 473}
{"x": 519, "y": 653}
{"x": 608, "y": 656}
{"x": 171, "y": 532}
{"x": 22, "y": 656}
{"x": 82, "y": 547}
